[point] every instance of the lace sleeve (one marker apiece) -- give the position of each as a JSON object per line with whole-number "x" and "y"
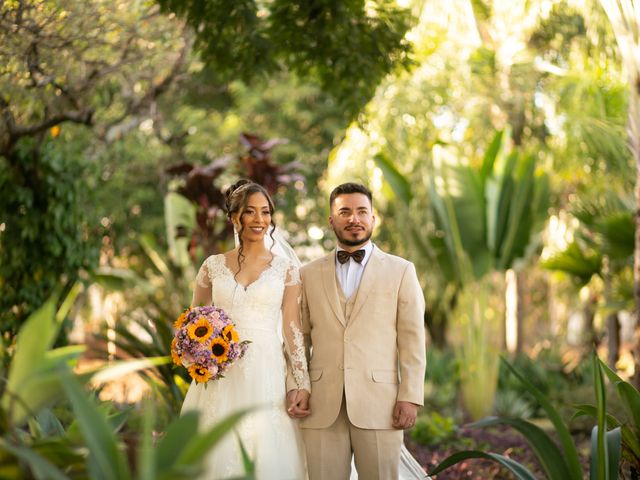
{"x": 293, "y": 277}
{"x": 202, "y": 290}
{"x": 292, "y": 330}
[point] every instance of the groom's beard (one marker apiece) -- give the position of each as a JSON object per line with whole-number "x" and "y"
{"x": 353, "y": 243}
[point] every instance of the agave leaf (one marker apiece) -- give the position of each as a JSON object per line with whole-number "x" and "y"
{"x": 68, "y": 302}
{"x": 34, "y": 338}
{"x": 247, "y": 463}
{"x": 49, "y": 424}
{"x": 40, "y": 467}
{"x": 519, "y": 220}
{"x": 199, "y": 445}
{"x": 612, "y": 451}
{"x": 520, "y": 471}
{"x": 628, "y": 394}
{"x": 490, "y": 155}
{"x": 631, "y": 400}
{"x": 118, "y": 369}
{"x": 146, "y": 452}
{"x": 550, "y": 456}
{"x": 503, "y": 193}
{"x": 599, "y": 454}
{"x": 179, "y": 432}
{"x": 631, "y": 441}
{"x": 592, "y": 411}
{"x": 570, "y": 452}
{"x": 106, "y": 459}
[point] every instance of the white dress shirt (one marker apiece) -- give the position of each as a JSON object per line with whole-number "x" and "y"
{"x": 350, "y": 273}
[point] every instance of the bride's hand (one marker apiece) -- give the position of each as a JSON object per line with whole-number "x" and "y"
{"x": 298, "y": 403}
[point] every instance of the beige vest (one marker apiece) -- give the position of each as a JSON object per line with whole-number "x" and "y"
{"x": 346, "y": 305}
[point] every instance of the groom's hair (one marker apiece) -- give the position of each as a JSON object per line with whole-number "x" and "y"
{"x": 347, "y": 188}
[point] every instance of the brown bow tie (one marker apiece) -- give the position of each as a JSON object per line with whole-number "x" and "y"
{"x": 343, "y": 255}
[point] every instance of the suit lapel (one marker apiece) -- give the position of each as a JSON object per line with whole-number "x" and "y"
{"x": 331, "y": 286}
{"x": 368, "y": 280}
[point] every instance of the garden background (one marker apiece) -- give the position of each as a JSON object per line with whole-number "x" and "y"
{"x": 501, "y": 140}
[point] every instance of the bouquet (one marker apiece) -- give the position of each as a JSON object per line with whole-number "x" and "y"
{"x": 206, "y": 343}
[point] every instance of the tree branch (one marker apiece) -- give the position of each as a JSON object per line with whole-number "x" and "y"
{"x": 117, "y": 128}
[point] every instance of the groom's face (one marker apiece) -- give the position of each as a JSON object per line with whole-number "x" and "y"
{"x": 352, "y": 219}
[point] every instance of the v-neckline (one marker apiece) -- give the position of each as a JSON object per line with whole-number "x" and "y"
{"x": 246, "y": 287}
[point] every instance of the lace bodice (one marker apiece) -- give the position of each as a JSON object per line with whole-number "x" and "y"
{"x": 273, "y": 296}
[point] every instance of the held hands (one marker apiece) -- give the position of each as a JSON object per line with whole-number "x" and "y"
{"x": 298, "y": 403}
{"x": 404, "y": 415}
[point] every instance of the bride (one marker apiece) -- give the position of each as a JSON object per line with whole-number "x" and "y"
{"x": 260, "y": 292}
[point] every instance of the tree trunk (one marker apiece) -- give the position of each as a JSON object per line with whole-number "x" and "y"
{"x": 514, "y": 310}
{"x": 511, "y": 303}
{"x": 613, "y": 339}
{"x": 522, "y": 289}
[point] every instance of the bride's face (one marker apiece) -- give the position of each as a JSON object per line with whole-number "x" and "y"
{"x": 254, "y": 219}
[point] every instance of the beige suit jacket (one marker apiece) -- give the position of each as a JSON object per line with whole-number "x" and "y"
{"x": 377, "y": 357}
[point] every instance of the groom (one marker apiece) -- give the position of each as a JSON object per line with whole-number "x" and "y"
{"x": 362, "y": 317}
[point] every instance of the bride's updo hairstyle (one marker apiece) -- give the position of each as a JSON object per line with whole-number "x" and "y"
{"x": 236, "y": 199}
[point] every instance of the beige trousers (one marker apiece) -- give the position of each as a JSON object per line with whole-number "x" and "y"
{"x": 376, "y": 452}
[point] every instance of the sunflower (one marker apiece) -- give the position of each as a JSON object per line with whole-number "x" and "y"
{"x": 199, "y": 373}
{"x": 229, "y": 334}
{"x": 174, "y": 354}
{"x": 181, "y": 319}
{"x": 201, "y": 330}
{"x": 219, "y": 349}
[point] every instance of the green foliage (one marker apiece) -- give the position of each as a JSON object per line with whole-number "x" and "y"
{"x": 546, "y": 372}
{"x": 441, "y": 381}
{"x": 206, "y": 225}
{"x": 347, "y": 46}
{"x": 145, "y": 328}
{"x": 32, "y": 380}
{"x": 487, "y": 216}
{"x": 556, "y": 32}
{"x": 511, "y": 404}
{"x": 46, "y": 233}
{"x": 431, "y": 428}
{"x": 579, "y": 262}
{"x": 629, "y": 423}
{"x": 558, "y": 463}
{"x": 34, "y": 443}
{"x": 478, "y": 317}
{"x": 51, "y": 76}
{"x": 603, "y": 245}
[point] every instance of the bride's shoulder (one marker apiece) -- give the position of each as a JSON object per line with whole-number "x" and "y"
{"x": 214, "y": 263}
{"x": 284, "y": 264}
{"x": 287, "y": 269}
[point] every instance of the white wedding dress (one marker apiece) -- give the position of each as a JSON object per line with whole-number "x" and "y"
{"x": 270, "y": 437}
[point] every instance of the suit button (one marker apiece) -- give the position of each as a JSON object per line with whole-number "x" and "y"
{"x": 341, "y": 367}
{"x": 346, "y": 339}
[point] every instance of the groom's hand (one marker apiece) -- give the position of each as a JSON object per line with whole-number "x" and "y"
{"x": 298, "y": 403}
{"x": 404, "y": 415}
